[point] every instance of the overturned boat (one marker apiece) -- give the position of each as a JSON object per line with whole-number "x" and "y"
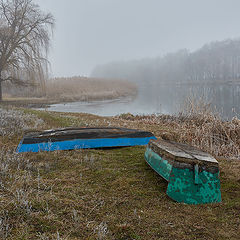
{"x": 79, "y": 138}
{"x": 192, "y": 175}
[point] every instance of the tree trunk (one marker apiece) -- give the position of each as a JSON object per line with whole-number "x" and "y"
{"x": 1, "y": 85}
{"x": 0, "y": 90}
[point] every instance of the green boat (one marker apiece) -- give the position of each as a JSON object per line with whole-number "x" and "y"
{"x": 192, "y": 175}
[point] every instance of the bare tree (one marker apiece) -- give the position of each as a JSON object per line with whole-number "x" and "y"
{"x": 25, "y": 33}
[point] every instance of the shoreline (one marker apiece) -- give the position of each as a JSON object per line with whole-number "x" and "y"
{"x": 73, "y": 89}
{"x": 46, "y": 102}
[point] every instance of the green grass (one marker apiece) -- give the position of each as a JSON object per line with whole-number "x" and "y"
{"x": 110, "y": 194}
{"x": 54, "y": 120}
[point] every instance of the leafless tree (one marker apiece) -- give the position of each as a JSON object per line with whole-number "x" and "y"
{"x": 25, "y": 33}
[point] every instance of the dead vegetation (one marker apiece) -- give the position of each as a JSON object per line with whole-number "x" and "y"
{"x": 110, "y": 194}
{"x": 68, "y": 90}
{"x": 199, "y": 126}
{"x": 14, "y": 122}
{"x": 84, "y": 89}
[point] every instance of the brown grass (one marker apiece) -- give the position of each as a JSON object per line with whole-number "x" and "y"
{"x": 197, "y": 125}
{"x": 84, "y": 89}
{"x": 111, "y": 194}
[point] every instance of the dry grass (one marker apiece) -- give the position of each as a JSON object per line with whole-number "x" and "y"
{"x": 108, "y": 194}
{"x": 84, "y": 89}
{"x": 14, "y": 122}
{"x": 71, "y": 89}
{"x": 199, "y": 126}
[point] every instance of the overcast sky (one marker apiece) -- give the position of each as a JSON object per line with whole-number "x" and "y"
{"x": 92, "y": 32}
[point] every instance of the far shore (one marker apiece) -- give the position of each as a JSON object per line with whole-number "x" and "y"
{"x": 75, "y": 89}
{"x": 42, "y": 102}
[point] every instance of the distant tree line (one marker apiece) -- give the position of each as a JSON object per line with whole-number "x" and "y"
{"x": 214, "y": 62}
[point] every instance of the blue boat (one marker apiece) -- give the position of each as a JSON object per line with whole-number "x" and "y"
{"x": 80, "y": 138}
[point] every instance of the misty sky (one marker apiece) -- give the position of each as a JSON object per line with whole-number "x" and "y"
{"x": 92, "y": 32}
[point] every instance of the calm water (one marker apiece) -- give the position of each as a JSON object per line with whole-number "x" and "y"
{"x": 166, "y": 99}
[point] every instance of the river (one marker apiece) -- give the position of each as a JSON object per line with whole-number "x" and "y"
{"x": 162, "y": 99}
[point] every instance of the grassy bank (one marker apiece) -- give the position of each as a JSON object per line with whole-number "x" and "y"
{"x": 113, "y": 193}
{"x": 69, "y": 90}
{"x": 88, "y": 89}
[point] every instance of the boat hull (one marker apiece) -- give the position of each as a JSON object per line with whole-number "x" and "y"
{"x": 88, "y": 138}
{"x": 188, "y": 182}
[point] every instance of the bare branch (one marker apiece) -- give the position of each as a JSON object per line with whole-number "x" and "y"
{"x": 24, "y": 39}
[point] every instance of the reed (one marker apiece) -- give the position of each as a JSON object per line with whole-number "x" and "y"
{"x": 197, "y": 124}
{"x": 85, "y": 89}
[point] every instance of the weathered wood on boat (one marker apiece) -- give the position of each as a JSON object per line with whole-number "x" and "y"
{"x": 182, "y": 152}
{"x": 192, "y": 175}
{"x": 78, "y": 138}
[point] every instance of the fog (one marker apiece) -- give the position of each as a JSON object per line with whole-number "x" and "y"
{"x": 93, "y": 32}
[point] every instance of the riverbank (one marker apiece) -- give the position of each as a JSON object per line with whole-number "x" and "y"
{"x": 112, "y": 193}
{"x": 27, "y": 102}
{"x": 88, "y": 89}
{"x": 74, "y": 89}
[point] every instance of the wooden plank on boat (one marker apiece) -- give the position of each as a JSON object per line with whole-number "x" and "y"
{"x": 181, "y": 152}
{"x": 170, "y": 149}
{"x": 196, "y": 153}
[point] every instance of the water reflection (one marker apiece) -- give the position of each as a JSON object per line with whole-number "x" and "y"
{"x": 166, "y": 99}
